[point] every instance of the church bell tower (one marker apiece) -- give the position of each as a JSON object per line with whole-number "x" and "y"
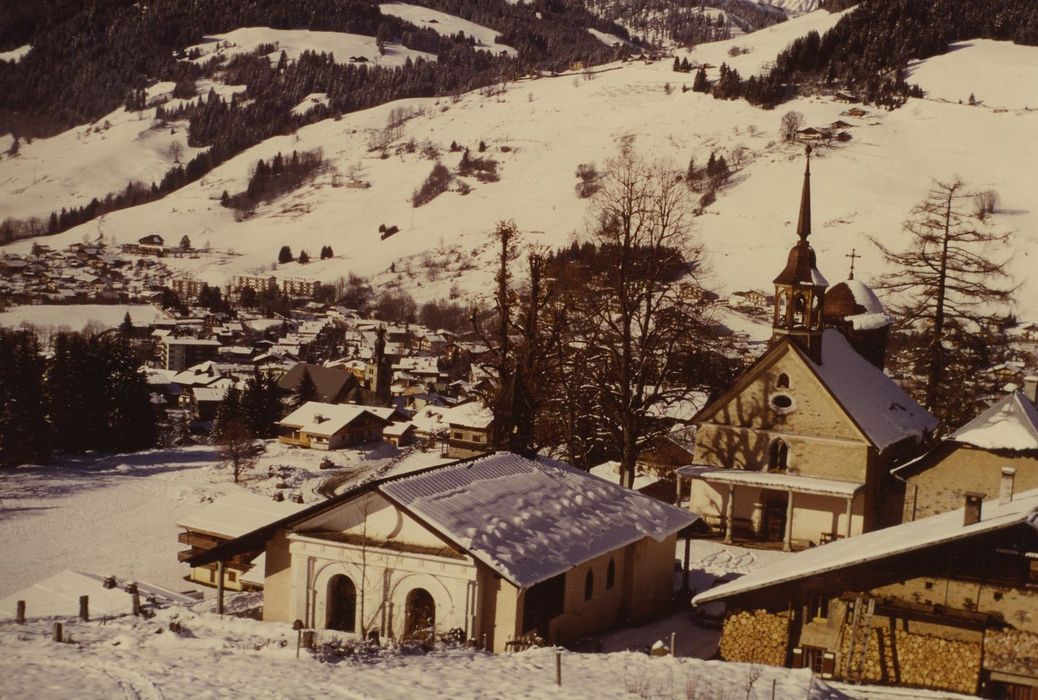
{"x": 800, "y": 287}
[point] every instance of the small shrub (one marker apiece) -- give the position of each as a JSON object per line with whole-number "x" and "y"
{"x": 588, "y": 176}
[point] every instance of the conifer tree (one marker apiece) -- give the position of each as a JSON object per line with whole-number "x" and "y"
{"x": 306, "y": 391}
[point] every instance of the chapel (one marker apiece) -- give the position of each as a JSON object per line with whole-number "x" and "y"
{"x": 799, "y": 449}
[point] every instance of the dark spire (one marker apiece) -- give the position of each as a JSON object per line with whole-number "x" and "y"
{"x": 804, "y": 223}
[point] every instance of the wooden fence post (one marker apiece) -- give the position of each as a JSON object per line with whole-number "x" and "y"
{"x": 20, "y": 613}
{"x": 58, "y": 635}
{"x": 84, "y": 608}
{"x": 673, "y": 643}
{"x": 136, "y": 596}
{"x": 558, "y": 668}
{"x": 219, "y": 587}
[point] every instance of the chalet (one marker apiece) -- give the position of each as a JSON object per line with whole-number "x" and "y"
{"x": 399, "y": 434}
{"x": 333, "y": 384}
{"x": 1002, "y": 441}
{"x": 799, "y": 449}
{"x": 814, "y": 133}
{"x": 221, "y": 521}
{"x": 325, "y": 426}
{"x": 502, "y": 548}
{"x": 946, "y": 602}
{"x": 471, "y": 428}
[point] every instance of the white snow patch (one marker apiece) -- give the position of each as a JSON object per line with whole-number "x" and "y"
{"x": 1010, "y": 424}
{"x": 15, "y": 55}
{"x": 607, "y": 38}
{"x": 445, "y": 24}
{"x": 312, "y": 100}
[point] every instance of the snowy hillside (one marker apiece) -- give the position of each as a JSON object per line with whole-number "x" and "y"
{"x": 794, "y": 7}
{"x": 294, "y": 41}
{"x": 539, "y": 131}
{"x": 446, "y": 24}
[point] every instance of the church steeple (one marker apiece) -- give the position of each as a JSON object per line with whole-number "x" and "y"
{"x": 800, "y": 287}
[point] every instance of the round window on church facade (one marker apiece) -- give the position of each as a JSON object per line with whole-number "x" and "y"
{"x": 782, "y": 403}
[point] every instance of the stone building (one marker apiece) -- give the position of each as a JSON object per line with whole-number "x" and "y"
{"x": 1001, "y": 440}
{"x": 800, "y": 448}
{"x": 499, "y": 548}
{"x": 946, "y": 602}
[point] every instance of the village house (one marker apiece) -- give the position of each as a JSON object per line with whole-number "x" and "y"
{"x": 946, "y": 602}
{"x": 501, "y": 548}
{"x": 221, "y": 521}
{"x": 325, "y": 426}
{"x": 799, "y": 449}
{"x": 470, "y": 427}
{"x": 1001, "y": 440}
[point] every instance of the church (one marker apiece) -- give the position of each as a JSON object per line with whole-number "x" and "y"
{"x": 800, "y": 448}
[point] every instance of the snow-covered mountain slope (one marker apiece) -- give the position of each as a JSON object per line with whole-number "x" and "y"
{"x": 1000, "y": 75}
{"x": 541, "y": 130}
{"x": 446, "y": 25}
{"x": 295, "y": 41}
{"x": 794, "y": 7}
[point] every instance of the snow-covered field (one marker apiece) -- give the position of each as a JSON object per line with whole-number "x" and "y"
{"x": 75, "y": 316}
{"x": 999, "y": 74}
{"x": 446, "y": 24}
{"x": 295, "y": 41}
{"x": 541, "y": 130}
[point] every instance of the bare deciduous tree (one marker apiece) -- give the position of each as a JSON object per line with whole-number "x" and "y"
{"x": 946, "y": 283}
{"x": 237, "y": 448}
{"x": 790, "y": 124}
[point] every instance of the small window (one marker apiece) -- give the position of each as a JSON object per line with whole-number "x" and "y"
{"x": 783, "y": 381}
{"x": 928, "y": 585}
{"x": 782, "y": 403}
{"x": 778, "y": 455}
{"x": 457, "y": 435}
{"x": 818, "y": 608}
{"x": 232, "y": 576}
{"x": 589, "y": 585}
{"x": 611, "y": 575}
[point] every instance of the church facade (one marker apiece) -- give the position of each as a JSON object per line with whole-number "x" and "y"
{"x": 799, "y": 449}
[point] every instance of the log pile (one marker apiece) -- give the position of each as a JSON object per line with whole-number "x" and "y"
{"x": 1011, "y": 651}
{"x": 919, "y": 660}
{"x": 755, "y": 636}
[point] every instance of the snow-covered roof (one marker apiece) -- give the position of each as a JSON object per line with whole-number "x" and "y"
{"x": 880, "y": 544}
{"x": 325, "y": 419}
{"x": 397, "y": 429}
{"x": 1010, "y": 424}
{"x": 610, "y": 471}
{"x": 237, "y": 513}
{"x": 771, "y": 480}
{"x": 58, "y": 596}
{"x": 529, "y": 520}
{"x": 882, "y": 409}
{"x": 470, "y": 415}
{"x": 209, "y": 393}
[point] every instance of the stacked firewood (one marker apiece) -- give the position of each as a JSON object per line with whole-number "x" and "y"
{"x": 755, "y": 636}
{"x": 920, "y": 660}
{"x": 1011, "y": 651}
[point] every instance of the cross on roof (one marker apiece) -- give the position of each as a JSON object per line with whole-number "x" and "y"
{"x": 853, "y": 255}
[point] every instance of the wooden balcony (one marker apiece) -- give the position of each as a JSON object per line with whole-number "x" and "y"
{"x": 301, "y": 441}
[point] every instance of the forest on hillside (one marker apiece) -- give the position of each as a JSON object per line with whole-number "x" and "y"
{"x": 87, "y": 61}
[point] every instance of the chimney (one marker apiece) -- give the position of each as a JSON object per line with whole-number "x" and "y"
{"x": 971, "y": 514}
{"x": 1031, "y": 388}
{"x": 1005, "y": 487}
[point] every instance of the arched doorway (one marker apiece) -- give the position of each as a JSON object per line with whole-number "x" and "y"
{"x": 419, "y": 615}
{"x": 341, "y": 604}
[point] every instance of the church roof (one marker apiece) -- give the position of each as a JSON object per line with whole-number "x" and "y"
{"x": 1010, "y": 424}
{"x": 879, "y": 407}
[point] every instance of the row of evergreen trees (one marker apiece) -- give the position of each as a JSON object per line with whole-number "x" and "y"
{"x": 90, "y": 395}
